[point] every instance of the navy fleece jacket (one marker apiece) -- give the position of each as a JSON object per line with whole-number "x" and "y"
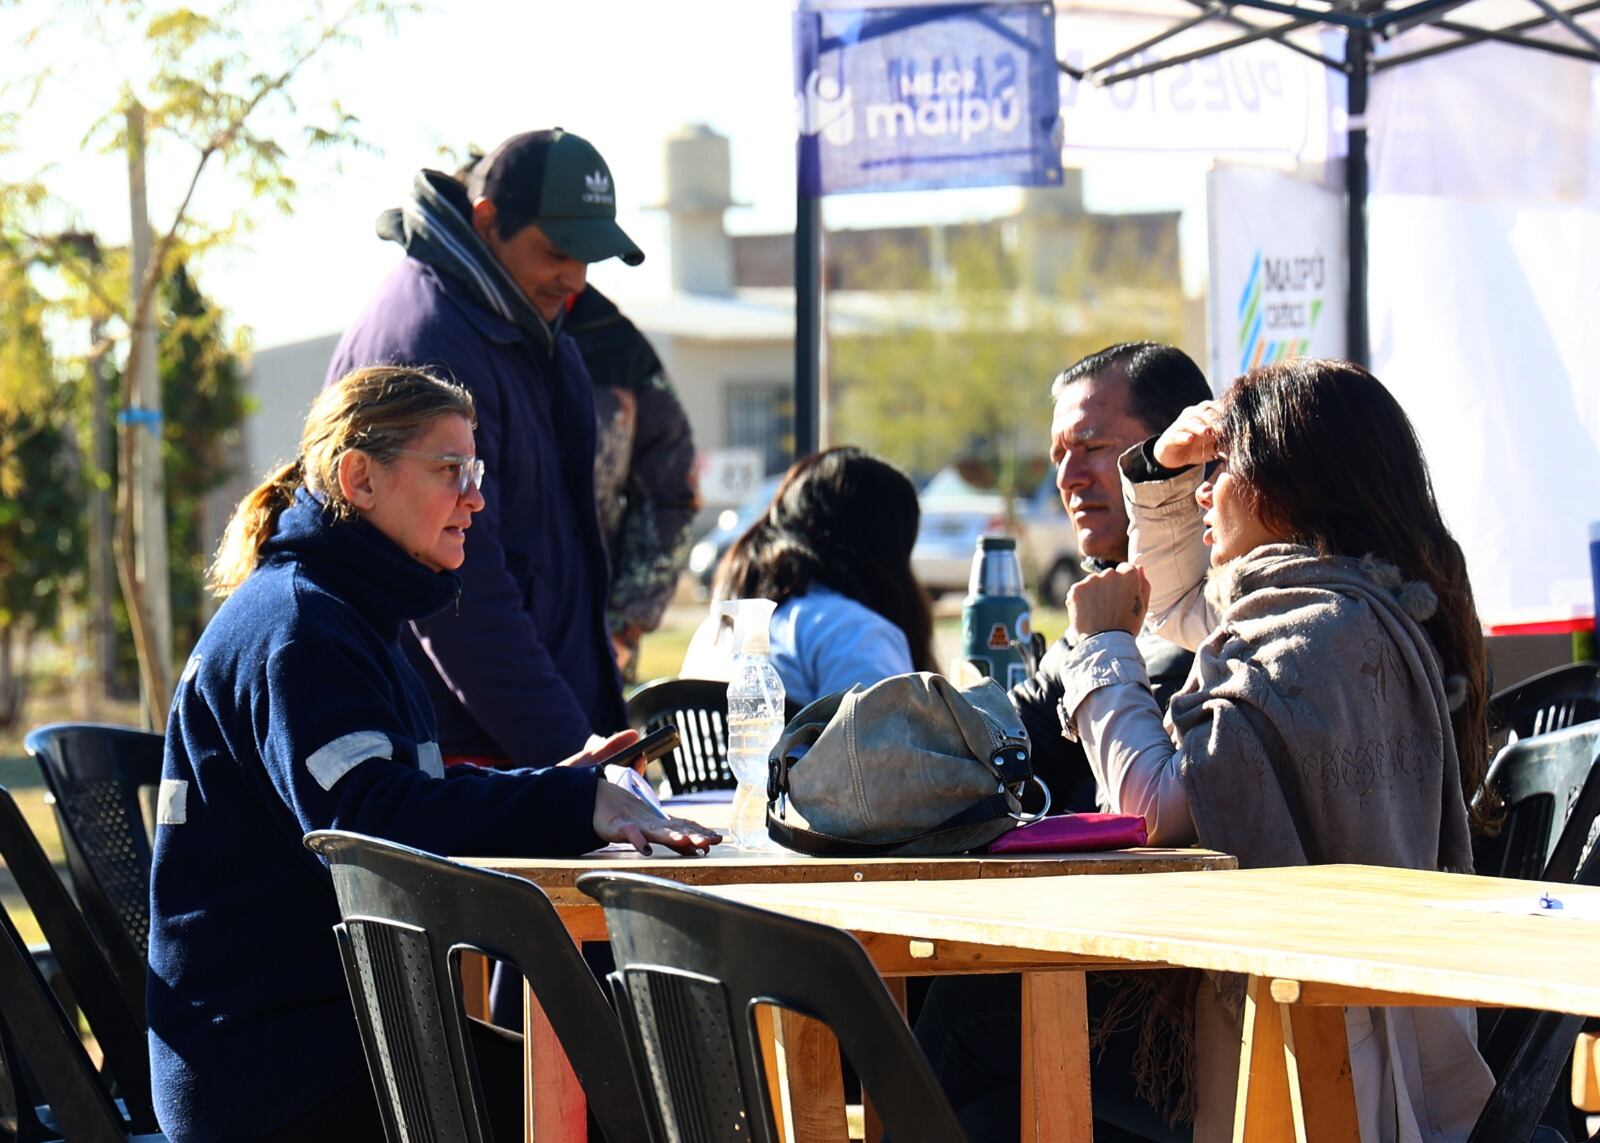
{"x": 299, "y": 711}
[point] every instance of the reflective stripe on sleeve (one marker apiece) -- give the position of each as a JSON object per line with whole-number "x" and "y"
{"x": 343, "y": 755}
{"x": 172, "y": 802}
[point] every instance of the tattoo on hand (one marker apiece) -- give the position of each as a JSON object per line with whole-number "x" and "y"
{"x": 1138, "y": 606}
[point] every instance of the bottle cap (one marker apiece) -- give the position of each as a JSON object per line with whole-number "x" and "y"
{"x": 752, "y": 619}
{"x": 997, "y": 543}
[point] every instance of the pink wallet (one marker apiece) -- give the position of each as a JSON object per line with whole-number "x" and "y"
{"x": 1073, "y": 833}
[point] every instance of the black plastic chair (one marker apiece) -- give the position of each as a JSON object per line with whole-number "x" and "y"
{"x": 1551, "y": 799}
{"x": 690, "y": 968}
{"x": 1530, "y": 1054}
{"x": 119, "y": 1030}
{"x": 97, "y": 775}
{"x": 1550, "y": 783}
{"x": 406, "y": 916}
{"x": 46, "y": 1062}
{"x": 1552, "y": 700}
{"x": 699, "y": 709}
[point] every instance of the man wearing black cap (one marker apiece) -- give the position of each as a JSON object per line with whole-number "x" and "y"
{"x": 520, "y": 671}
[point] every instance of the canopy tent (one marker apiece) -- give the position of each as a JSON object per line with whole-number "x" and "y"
{"x": 1215, "y": 26}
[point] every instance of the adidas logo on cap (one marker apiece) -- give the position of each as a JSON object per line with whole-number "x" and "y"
{"x": 599, "y": 188}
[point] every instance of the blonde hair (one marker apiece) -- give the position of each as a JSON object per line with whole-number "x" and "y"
{"x": 378, "y": 410}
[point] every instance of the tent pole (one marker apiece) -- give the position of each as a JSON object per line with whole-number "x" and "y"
{"x": 1358, "y": 47}
{"x": 807, "y": 315}
{"x": 807, "y": 238}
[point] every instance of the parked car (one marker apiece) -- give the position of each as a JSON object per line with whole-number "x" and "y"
{"x": 955, "y": 514}
{"x": 731, "y": 524}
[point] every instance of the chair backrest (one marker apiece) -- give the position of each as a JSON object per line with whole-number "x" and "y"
{"x": 699, "y": 709}
{"x": 690, "y": 969}
{"x": 117, "y": 1028}
{"x": 1552, "y": 700}
{"x": 34, "y": 1029}
{"x": 1529, "y": 1052}
{"x": 1551, "y": 786}
{"x": 96, "y": 775}
{"x": 406, "y": 914}
{"x": 1551, "y": 802}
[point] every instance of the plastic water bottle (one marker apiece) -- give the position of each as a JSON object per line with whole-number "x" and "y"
{"x": 755, "y": 720}
{"x": 995, "y": 612}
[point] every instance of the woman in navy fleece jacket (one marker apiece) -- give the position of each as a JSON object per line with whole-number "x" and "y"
{"x": 298, "y": 711}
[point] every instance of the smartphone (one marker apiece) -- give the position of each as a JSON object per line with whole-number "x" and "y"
{"x": 662, "y": 740}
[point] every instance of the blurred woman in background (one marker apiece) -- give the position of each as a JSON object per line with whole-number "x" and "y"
{"x": 833, "y": 551}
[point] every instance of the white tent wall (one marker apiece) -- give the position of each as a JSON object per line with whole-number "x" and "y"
{"x": 1484, "y": 242}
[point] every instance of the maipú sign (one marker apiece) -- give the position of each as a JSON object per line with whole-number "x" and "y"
{"x": 927, "y": 96}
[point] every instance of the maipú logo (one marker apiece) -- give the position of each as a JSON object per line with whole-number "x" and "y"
{"x": 1273, "y": 322}
{"x": 828, "y": 109}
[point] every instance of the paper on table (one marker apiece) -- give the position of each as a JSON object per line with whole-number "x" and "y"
{"x": 1558, "y": 902}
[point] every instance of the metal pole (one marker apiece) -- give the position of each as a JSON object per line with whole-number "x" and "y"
{"x": 807, "y": 245}
{"x": 1358, "y": 47}
{"x": 149, "y": 503}
{"x": 807, "y": 315}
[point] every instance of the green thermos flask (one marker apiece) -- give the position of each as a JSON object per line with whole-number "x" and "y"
{"x": 995, "y": 614}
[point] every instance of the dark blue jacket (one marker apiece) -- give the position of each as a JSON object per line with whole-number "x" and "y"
{"x": 299, "y": 711}
{"x": 525, "y": 670}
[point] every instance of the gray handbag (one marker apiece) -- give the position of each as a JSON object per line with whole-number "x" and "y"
{"x": 911, "y": 766}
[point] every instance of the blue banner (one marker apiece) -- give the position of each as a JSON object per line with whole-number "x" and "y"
{"x": 926, "y": 97}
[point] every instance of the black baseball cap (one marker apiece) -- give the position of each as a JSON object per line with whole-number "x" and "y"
{"x": 559, "y": 181}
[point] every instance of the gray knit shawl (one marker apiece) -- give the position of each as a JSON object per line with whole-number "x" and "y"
{"x": 1314, "y": 726}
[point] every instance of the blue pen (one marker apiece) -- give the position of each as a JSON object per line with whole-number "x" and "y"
{"x": 1547, "y": 902}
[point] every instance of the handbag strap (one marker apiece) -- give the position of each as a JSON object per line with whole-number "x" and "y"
{"x": 816, "y": 844}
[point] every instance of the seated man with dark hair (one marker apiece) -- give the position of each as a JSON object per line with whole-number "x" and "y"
{"x": 1104, "y": 405}
{"x": 970, "y": 1027}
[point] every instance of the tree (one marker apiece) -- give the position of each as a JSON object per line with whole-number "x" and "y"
{"x": 960, "y": 371}
{"x": 202, "y": 101}
{"x": 40, "y": 493}
{"x": 203, "y": 402}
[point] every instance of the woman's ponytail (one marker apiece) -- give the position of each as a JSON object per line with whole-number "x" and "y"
{"x": 252, "y": 523}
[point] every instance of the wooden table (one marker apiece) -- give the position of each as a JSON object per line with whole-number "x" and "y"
{"x": 810, "y": 1098}
{"x": 1311, "y": 940}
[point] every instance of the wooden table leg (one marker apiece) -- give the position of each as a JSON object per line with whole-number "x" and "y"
{"x": 812, "y": 1094}
{"x": 1586, "y": 1073}
{"x": 475, "y": 970}
{"x": 1318, "y": 1061}
{"x": 872, "y": 1127}
{"x": 1294, "y": 1075}
{"x": 1262, "y": 1112}
{"x": 1055, "y": 1059}
{"x": 558, "y": 1112}
{"x": 767, "y": 1032}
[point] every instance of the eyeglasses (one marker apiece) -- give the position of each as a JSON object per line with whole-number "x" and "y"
{"x": 469, "y": 469}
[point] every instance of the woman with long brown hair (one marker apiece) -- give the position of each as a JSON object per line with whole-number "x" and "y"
{"x": 1335, "y": 712}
